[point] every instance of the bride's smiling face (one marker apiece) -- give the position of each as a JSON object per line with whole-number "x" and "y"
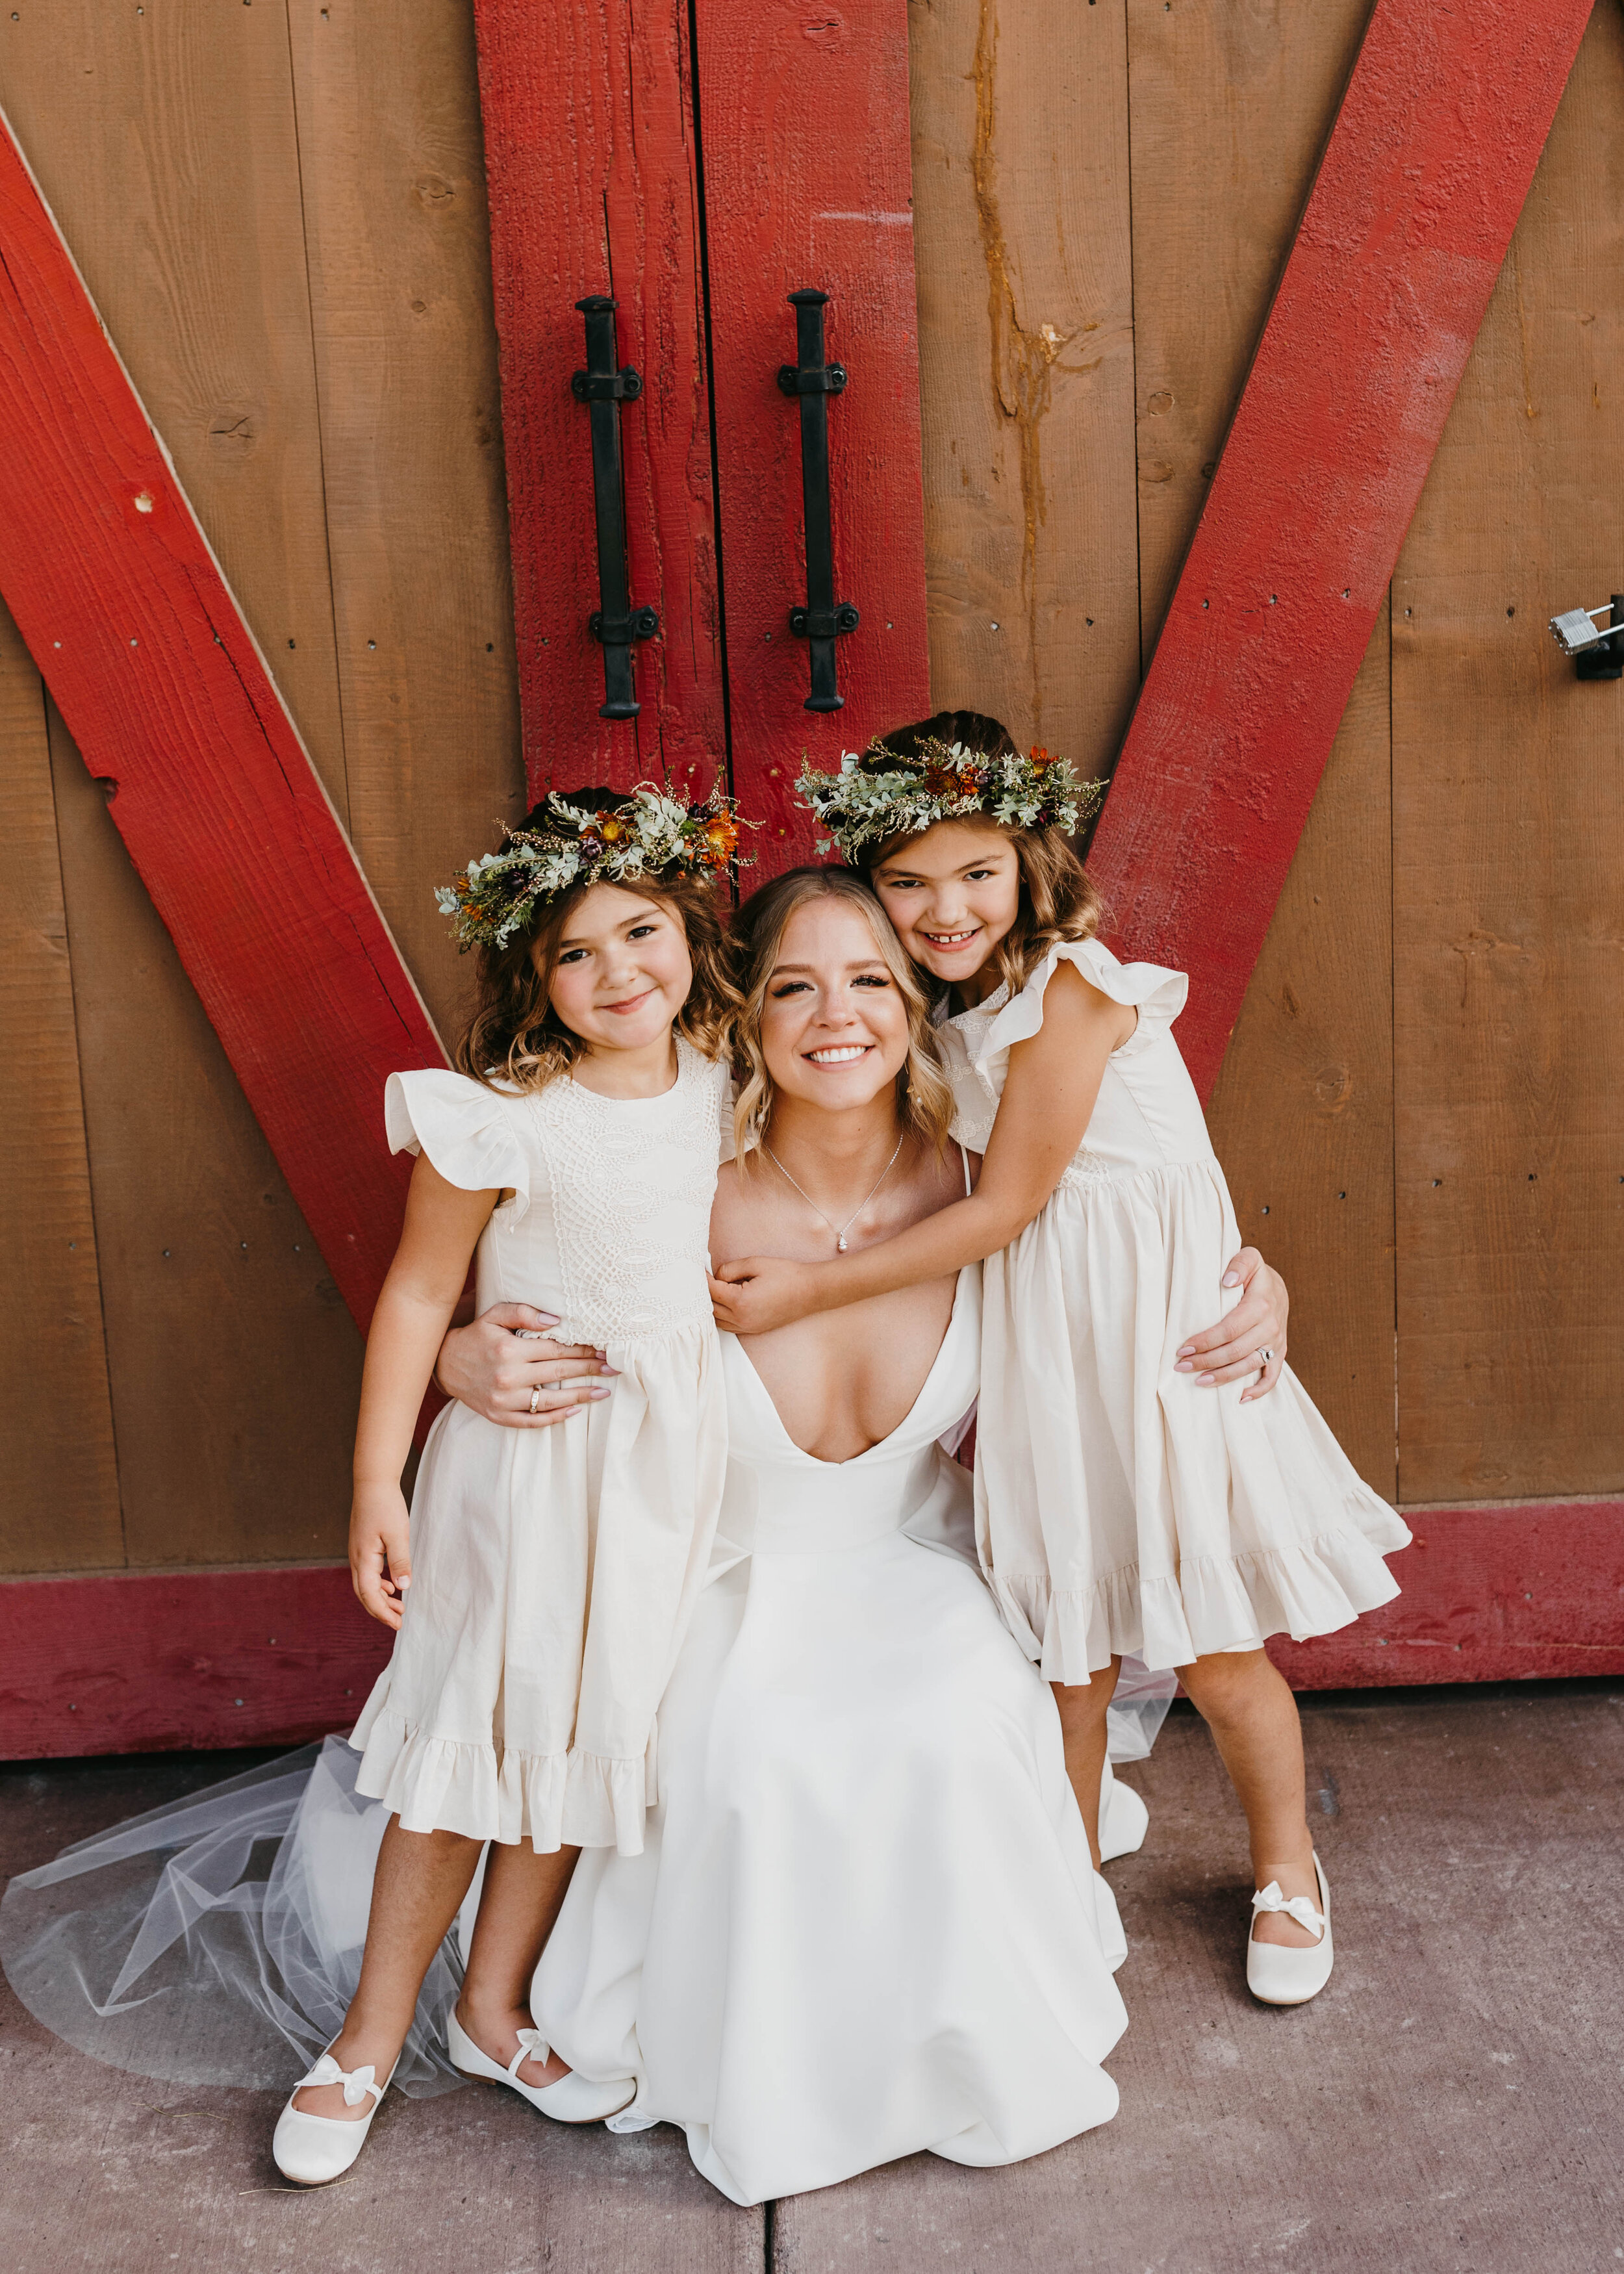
{"x": 834, "y": 1027}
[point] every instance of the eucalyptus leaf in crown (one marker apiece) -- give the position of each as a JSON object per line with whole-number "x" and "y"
{"x": 878, "y": 794}
{"x": 655, "y": 835}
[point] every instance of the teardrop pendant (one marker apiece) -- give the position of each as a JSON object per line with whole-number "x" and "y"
{"x": 840, "y": 1244}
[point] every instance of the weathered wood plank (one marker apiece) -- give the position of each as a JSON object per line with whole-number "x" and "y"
{"x": 163, "y": 140}
{"x": 235, "y": 1365}
{"x": 1302, "y": 1116}
{"x": 589, "y": 149}
{"x": 1303, "y": 1112}
{"x": 1508, "y": 818}
{"x": 124, "y": 604}
{"x": 1027, "y": 367}
{"x": 1231, "y": 109}
{"x": 397, "y": 233}
{"x": 807, "y": 183}
{"x": 1425, "y": 172}
{"x": 58, "y": 1469}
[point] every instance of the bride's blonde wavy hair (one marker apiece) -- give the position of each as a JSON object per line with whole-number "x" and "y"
{"x": 924, "y": 1100}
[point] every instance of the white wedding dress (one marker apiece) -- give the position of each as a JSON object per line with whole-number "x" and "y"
{"x": 864, "y": 1922}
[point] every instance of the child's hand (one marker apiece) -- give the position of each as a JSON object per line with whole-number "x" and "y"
{"x": 380, "y": 1551}
{"x": 763, "y": 1292}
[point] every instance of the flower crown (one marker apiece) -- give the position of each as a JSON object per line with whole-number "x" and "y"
{"x": 879, "y": 794}
{"x": 655, "y": 835}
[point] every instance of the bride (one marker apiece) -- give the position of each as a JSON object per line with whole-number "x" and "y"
{"x": 867, "y": 1923}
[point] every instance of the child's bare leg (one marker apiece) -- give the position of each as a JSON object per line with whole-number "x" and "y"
{"x": 1082, "y": 1725}
{"x": 1253, "y": 1715}
{"x": 421, "y": 1879}
{"x": 518, "y": 1904}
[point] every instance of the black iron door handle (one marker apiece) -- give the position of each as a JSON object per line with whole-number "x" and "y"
{"x": 603, "y": 388}
{"x": 823, "y": 619}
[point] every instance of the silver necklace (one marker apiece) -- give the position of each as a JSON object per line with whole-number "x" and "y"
{"x": 838, "y": 1230}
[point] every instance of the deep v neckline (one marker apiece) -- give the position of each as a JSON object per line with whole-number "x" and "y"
{"x": 760, "y": 1389}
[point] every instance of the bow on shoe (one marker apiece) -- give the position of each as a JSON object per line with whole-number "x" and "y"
{"x": 1299, "y": 1907}
{"x": 358, "y": 2083}
{"x": 532, "y": 2046}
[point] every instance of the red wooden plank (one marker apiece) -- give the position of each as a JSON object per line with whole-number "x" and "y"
{"x": 591, "y": 160}
{"x": 1501, "y": 1594}
{"x": 1424, "y": 177}
{"x": 155, "y": 1661}
{"x": 803, "y": 114}
{"x": 152, "y": 1660}
{"x": 127, "y": 614}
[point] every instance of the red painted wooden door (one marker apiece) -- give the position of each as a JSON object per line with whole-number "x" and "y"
{"x": 698, "y": 163}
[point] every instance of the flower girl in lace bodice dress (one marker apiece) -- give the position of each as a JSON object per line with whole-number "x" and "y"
{"x": 1122, "y": 1505}
{"x": 542, "y": 1586}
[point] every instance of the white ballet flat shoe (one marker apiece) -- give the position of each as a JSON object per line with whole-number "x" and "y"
{"x": 1281, "y": 1977}
{"x": 1123, "y": 1818}
{"x": 309, "y": 2150}
{"x": 572, "y": 2100}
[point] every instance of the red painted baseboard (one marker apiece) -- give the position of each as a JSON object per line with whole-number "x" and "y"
{"x": 1523, "y": 1591}
{"x": 158, "y": 1662}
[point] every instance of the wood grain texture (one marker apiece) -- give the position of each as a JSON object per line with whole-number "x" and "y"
{"x": 145, "y": 1662}
{"x": 589, "y": 150}
{"x": 163, "y": 138}
{"x": 124, "y": 606}
{"x": 399, "y": 256}
{"x": 1027, "y": 336}
{"x": 235, "y": 1365}
{"x": 806, "y": 183}
{"x": 1509, "y": 816}
{"x": 1218, "y": 186}
{"x": 58, "y": 1468}
{"x": 1518, "y": 1592}
{"x": 1302, "y": 1116}
{"x": 1422, "y": 182}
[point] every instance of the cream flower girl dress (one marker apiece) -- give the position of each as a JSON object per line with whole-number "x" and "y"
{"x": 1121, "y": 1507}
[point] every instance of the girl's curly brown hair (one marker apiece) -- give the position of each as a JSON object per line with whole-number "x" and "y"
{"x": 924, "y": 1100}
{"x": 516, "y": 1036}
{"x": 1058, "y": 900}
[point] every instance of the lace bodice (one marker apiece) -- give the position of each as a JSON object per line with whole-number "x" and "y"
{"x": 608, "y": 1222}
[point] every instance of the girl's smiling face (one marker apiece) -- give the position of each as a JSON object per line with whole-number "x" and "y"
{"x": 623, "y": 971}
{"x": 834, "y": 1024}
{"x": 953, "y": 892}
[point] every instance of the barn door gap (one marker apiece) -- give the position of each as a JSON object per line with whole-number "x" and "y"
{"x": 703, "y": 234}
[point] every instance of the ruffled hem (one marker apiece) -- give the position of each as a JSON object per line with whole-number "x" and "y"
{"x": 1215, "y": 1604}
{"x": 483, "y": 1792}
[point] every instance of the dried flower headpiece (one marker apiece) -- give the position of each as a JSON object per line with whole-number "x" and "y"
{"x": 655, "y": 835}
{"x": 880, "y": 794}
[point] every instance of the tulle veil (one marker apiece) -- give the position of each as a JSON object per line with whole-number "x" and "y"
{"x": 217, "y": 1940}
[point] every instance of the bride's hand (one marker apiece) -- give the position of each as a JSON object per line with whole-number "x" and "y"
{"x": 1230, "y": 1351}
{"x": 760, "y": 1292}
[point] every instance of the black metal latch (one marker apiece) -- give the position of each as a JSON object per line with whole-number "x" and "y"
{"x": 603, "y": 388}
{"x": 825, "y": 619}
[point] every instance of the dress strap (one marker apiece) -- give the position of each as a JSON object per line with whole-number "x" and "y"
{"x": 965, "y": 1162}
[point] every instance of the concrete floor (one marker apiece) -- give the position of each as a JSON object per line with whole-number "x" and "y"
{"x": 1453, "y": 2103}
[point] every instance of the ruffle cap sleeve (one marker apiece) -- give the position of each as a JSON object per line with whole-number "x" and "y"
{"x": 1156, "y": 994}
{"x": 466, "y": 1130}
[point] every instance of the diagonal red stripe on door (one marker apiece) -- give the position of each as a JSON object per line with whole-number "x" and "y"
{"x": 1403, "y": 235}
{"x": 131, "y": 621}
